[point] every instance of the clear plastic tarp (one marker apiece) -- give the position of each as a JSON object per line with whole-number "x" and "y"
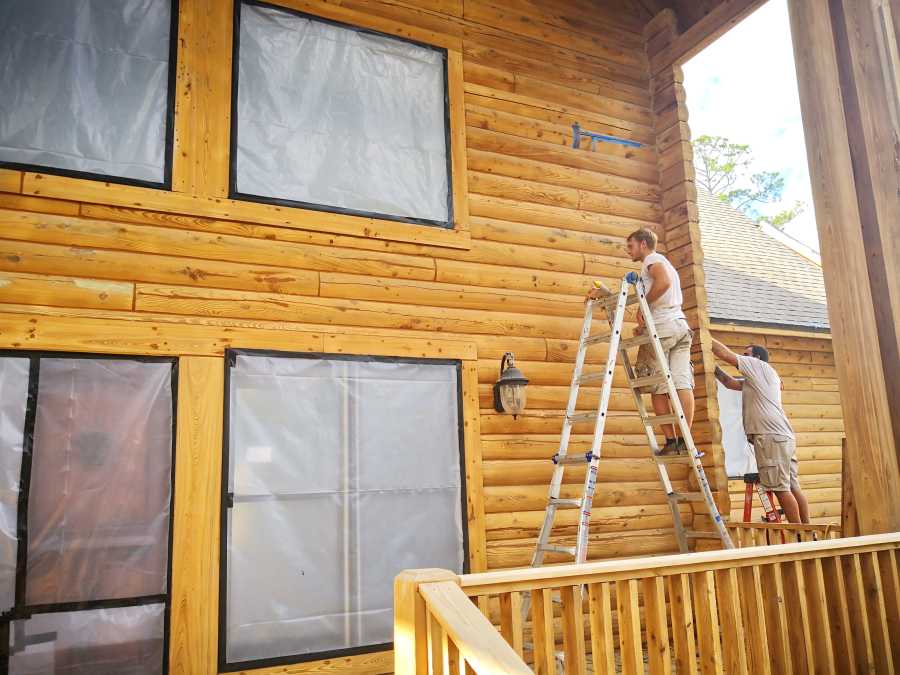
{"x": 13, "y": 404}
{"x": 338, "y": 117}
{"x": 98, "y": 515}
{"x": 115, "y": 641}
{"x": 344, "y": 473}
{"x": 739, "y": 457}
{"x": 84, "y": 85}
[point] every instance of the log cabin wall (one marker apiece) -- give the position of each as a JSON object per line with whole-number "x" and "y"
{"x": 90, "y": 266}
{"x": 813, "y": 406}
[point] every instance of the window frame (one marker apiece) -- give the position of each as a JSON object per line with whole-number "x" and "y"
{"x": 227, "y": 500}
{"x": 168, "y": 150}
{"x": 21, "y": 610}
{"x": 233, "y": 192}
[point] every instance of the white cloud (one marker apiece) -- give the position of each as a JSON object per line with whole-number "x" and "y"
{"x": 744, "y": 87}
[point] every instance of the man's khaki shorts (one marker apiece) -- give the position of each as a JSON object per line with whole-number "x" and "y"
{"x": 675, "y": 338}
{"x": 776, "y": 459}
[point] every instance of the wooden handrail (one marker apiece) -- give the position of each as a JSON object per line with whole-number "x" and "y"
{"x": 682, "y": 563}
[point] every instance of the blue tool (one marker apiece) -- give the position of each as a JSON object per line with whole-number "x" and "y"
{"x": 578, "y": 133}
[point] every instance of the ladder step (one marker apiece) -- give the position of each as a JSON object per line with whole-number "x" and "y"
{"x": 582, "y": 417}
{"x": 639, "y": 382}
{"x": 673, "y": 459}
{"x": 659, "y": 420}
{"x": 551, "y": 548}
{"x": 556, "y": 501}
{"x": 579, "y": 458}
{"x": 635, "y": 341}
{"x": 597, "y": 339}
{"x": 688, "y": 496}
{"x": 588, "y": 378}
{"x": 610, "y": 303}
{"x": 695, "y": 534}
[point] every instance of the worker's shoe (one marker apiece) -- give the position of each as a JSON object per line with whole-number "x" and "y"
{"x": 673, "y": 446}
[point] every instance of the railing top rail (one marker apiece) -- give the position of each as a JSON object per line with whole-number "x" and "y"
{"x": 789, "y": 527}
{"x": 610, "y": 570}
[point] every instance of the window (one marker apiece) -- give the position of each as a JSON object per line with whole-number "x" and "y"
{"x": 88, "y": 87}
{"x": 340, "y": 472}
{"x": 335, "y": 118}
{"x": 86, "y": 463}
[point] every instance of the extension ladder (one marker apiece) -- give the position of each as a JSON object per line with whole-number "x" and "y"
{"x": 614, "y": 305}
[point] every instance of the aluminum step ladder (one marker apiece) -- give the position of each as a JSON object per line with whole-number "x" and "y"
{"x": 614, "y": 305}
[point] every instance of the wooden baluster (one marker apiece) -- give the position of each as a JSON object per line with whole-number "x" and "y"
{"x": 728, "y": 598}
{"x": 842, "y": 641}
{"x": 759, "y": 537}
{"x": 455, "y": 665}
{"x": 798, "y": 615}
{"x": 602, "y": 647}
{"x": 542, "y": 634}
{"x": 630, "y": 646}
{"x": 890, "y": 583}
{"x": 657, "y": 623}
{"x": 573, "y": 630}
{"x": 878, "y": 624}
{"x": 682, "y": 625}
{"x": 511, "y": 619}
{"x": 819, "y": 624}
{"x": 706, "y": 617}
{"x": 437, "y": 646}
{"x": 859, "y": 613}
{"x": 777, "y": 620}
{"x": 754, "y": 616}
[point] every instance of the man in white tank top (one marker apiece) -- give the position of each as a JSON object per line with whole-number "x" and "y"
{"x": 663, "y": 288}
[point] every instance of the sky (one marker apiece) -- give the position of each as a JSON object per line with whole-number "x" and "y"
{"x": 744, "y": 87}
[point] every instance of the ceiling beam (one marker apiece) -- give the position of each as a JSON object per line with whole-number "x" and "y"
{"x": 725, "y": 16}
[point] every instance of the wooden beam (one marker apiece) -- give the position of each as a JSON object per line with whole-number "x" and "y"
{"x": 848, "y": 201}
{"x": 707, "y": 30}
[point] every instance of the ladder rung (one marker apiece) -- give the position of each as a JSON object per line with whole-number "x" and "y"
{"x": 587, "y": 378}
{"x": 597, "y": 339}
{"x": 695, "y": 534}
{"x": 551, "y": 548}
{"x": 582, "y": 417}
{"x": 673, "y": 459}
{"x": 579, "y": 458}
{"x": 658, "y": 420}
{"x": 556, "y": 501}
{"x": 688, "y": 496}
{"x": 635, "y": 341}
{"x": 638, "y": 382}
{"x": 610, "y": 303}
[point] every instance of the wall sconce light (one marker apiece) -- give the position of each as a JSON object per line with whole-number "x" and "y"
{"x": 509, "y": 390}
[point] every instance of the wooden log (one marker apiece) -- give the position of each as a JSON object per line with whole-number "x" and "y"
{"x": 10, "y": 181}
{"x": 60, "y": 291}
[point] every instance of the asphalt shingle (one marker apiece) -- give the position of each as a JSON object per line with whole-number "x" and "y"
{"x": 752, "y": 277}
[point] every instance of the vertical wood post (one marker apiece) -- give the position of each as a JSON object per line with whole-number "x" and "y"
{"x": 853, "y": 147}
{"x": 411, "y": 619}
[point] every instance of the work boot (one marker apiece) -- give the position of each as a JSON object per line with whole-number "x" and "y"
{"x": 670, "y": 448}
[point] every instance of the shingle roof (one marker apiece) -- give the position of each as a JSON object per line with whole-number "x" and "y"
{"x": 752, "y": 277}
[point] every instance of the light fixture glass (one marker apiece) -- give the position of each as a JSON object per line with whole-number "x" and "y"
{"x": 509, "y": 390}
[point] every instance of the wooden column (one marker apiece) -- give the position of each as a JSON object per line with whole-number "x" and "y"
{"x": 846, "y": 59}
{"x": 680, "y": 232}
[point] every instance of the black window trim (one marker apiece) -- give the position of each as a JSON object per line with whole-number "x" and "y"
{"x": 166, "y": 183}
{"x": 233, "y": 192}
{"x": 230, "y": 361}
{"x": 21, "y": 610}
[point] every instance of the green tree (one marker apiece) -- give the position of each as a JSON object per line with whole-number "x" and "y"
{"x": 723, "y": 169}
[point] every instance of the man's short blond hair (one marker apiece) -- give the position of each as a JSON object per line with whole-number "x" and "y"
{"x": 646, "y": 236}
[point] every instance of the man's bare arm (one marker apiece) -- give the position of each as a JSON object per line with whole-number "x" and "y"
{"x": 722, "y": 352}
{"x": 728, "y": 381}
{"x": 660, "y": 282}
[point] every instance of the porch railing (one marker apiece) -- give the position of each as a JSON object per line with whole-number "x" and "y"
{"x": 825, "y": 606}
{"x": 768, "y": 534}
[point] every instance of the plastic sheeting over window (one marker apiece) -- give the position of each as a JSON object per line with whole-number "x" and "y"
{"x": 98, "y": 511}
{"x": 342, "y": 473}
{"x": 332, "y": 116}
{"x": 85, "y": 85}
{"x": 739, "y": 457}
{"x": 112, "y": 641}
{"x": 13, "y": 405}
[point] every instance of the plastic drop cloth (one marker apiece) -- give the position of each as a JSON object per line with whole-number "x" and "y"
{"x": 739, "y": 457}
{"x": 114, "y": 641}
{"x": 84, "y": 85}
{"x": 333, "y": 116}
{"x": 13, "y": 404}
{"x": 98, "y": 514}
{"x": 343, "y": 473}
